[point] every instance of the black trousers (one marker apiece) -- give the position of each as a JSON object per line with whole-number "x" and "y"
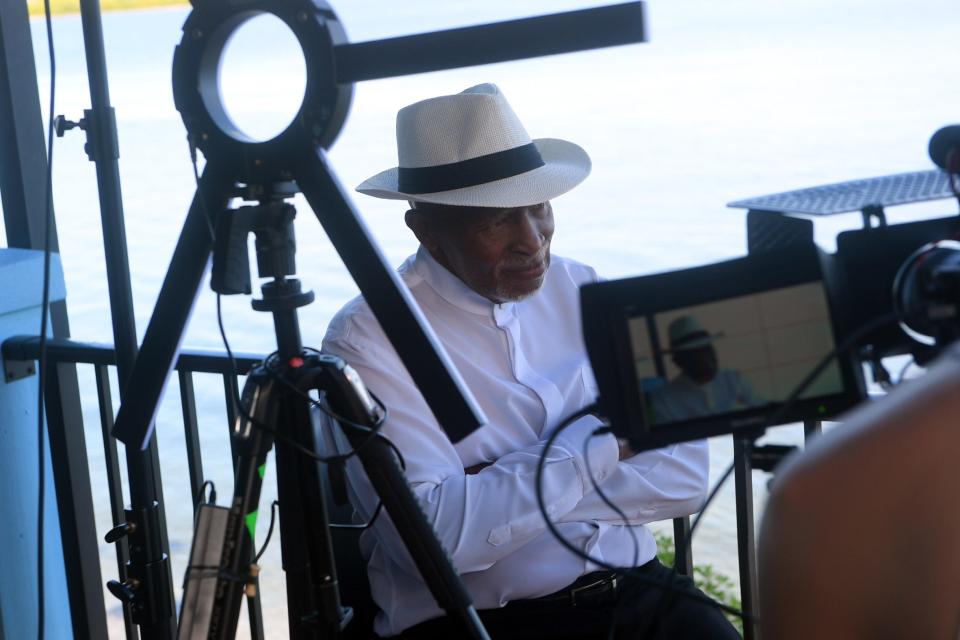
{"x": 637, "y": 610}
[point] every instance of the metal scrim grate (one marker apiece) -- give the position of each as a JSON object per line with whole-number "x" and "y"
{"x": 856, "y": 195}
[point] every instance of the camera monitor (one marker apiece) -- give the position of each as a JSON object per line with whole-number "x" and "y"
{"x": 717, "y": 349}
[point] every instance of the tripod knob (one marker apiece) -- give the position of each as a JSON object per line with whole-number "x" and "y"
{"x": 119, "y": 531}
{"x": 124, "y": 591}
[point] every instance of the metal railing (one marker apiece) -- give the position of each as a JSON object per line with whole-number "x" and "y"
{"x": 61, "y": 352}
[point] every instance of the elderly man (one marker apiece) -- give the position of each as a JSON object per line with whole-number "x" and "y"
{"x": 507, "y": 312}
{"x": 701, "y": 388}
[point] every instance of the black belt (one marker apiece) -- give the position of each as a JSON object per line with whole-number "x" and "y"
{"x": 592, "y": 589}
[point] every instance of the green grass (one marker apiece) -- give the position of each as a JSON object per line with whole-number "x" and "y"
{"x": 57, "y": 7}
{"x": 715, "y": 584}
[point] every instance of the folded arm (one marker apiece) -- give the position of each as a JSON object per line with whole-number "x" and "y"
{"x": 485, "y": 516}
{"x": 654, "y": 485}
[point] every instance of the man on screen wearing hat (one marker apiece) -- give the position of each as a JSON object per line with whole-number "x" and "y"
{"x": 507, "y": 313}
{"x": 701, "y": 388}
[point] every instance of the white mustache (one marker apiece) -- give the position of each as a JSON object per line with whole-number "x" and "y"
{"x": 526, "y": 264}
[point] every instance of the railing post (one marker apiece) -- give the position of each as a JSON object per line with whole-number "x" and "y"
{"x": 68, "y": 455}
{"x": 682, "y": 549}
{"x": 743, "y": 481}
{"x": 811, "y": 428}
{"x": 188, "y": 407}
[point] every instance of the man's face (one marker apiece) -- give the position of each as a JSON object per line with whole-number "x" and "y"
{"x": 502, "y": 254}
{"x": 699, "y": 364}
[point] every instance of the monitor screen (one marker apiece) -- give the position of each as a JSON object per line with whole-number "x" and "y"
{"x": 725, "y": 356}
{"x": 719, "y": 348}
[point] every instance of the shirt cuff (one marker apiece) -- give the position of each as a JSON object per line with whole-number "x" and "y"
{"x": 603, "y": 450}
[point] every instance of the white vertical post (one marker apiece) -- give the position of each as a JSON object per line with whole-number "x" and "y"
{"x": 21, "y": 279}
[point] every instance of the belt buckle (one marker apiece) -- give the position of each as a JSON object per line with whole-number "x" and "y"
{"x": 611, "y": 580}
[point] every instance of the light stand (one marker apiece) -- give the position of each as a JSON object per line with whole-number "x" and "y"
{"x": 276, "y": 406}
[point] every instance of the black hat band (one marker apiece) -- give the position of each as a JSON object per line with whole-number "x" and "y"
{"x": 687, "y": 338}
{"x": 470, "y": 173}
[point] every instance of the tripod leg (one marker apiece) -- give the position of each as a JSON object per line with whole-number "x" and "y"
{"x": 346, "y": 396}
{"x": 161, "y": 343}
{"x": 313, "y": 598}
{"x": 212, "y": 603}
{"x": 223, "y": 545}
{"x": 398, "y": 314}
{"x": 380, "y": 463}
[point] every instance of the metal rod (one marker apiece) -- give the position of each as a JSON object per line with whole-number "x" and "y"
{"x": 105, "y": 403}
{"x": 188, "y": 406}
{"x": 230, "y": 390}
{"x": 683, "y": 552}
{"x": 746, "y": 548}
{"x": 66, "y": 350}
{"x": 143, "y": 467}
{"x": 103, "y": 150}
{"x": 488, "y": 43}
{"x": 811, "y": 428}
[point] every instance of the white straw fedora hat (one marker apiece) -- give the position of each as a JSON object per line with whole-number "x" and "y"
{"x": 471, "y": 150}
{"x": 686, "y": 333}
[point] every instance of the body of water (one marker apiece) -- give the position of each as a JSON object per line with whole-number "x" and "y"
{"x": 727, "y": 100}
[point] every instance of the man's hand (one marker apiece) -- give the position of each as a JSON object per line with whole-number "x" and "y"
{"x": 475, "y": 469}
{"x": 625, "y": 450}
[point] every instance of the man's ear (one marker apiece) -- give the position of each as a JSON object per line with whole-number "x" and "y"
{"x": 419, "y": 223}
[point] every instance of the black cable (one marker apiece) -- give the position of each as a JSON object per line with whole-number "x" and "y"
{"x": 44, "y": 306}
{"x": 234, "y": 369}
{"x": 566, "y": 422}
{"x": 607, "y": 501}
{"x": 203, "y": 488}
{"x": 847, "y": 344}
{"x": 787, "y": 405}
{"x": 371, "y": 432}
{"x": 361, "y": 527}
{"x": 541, "y": 462}
{"x": 903, "y": 372}
{"x": 273, "y": 517}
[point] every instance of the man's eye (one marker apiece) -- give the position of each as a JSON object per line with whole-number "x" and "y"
{"x": 493, "y": 223}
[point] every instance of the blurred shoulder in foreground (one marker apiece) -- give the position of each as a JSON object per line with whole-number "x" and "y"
{"x": 861, "y": 535}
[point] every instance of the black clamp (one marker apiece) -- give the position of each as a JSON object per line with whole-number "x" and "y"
{"x": 148, "y": 571}
{"x": 101, "y": 131}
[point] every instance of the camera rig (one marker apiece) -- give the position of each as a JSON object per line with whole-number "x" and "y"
{"x": 889, "y": 289}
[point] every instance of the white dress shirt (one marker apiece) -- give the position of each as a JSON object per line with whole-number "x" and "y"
{"x": 525, "y": 363}
{"x": 683, "y": 398}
